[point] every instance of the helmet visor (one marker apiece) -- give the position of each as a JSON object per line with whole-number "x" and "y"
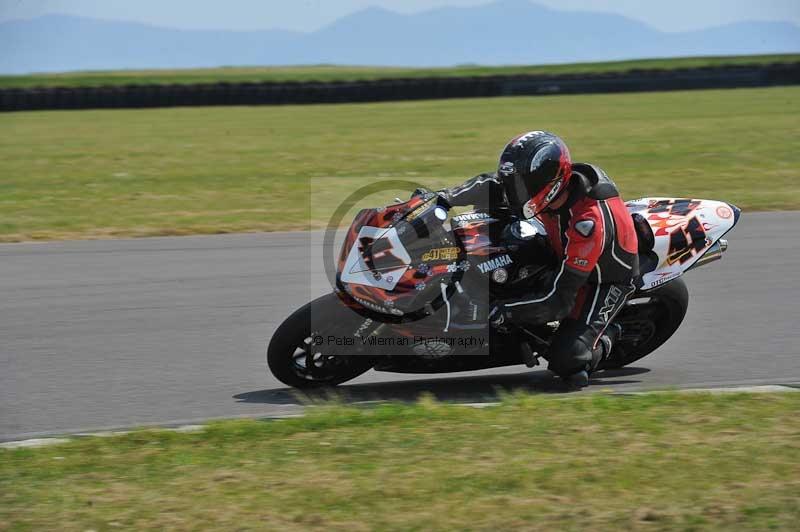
{"x": 516, "y": 191}
{"x": 540, "y": 201}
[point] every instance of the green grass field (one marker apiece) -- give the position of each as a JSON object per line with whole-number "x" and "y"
{"x": 657, "y": 462}
{"x": 91, "y": 174}
{"x": 351, "y": 73}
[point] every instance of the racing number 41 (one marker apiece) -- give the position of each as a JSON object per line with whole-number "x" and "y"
{"x": 685, "y": 241}
{"x": 378, "y": 255}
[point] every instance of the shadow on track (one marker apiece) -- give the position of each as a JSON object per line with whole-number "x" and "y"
{"x": 474, "y": 389}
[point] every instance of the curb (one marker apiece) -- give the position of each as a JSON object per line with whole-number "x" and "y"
{"x": 43, "y": 442}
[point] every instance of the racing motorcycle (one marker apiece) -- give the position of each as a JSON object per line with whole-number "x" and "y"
{"x": 413, "y": 287}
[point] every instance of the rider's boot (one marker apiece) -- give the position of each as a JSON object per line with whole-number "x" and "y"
{"x": 580, "y": 379}
{"x": 607, "y": 340}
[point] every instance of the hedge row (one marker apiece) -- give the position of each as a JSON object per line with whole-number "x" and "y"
{"x": 137, "y": 96}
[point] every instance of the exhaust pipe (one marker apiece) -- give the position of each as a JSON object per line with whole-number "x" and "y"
{"x": 714, "y": 253}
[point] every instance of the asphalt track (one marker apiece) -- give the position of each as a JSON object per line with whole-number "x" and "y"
{"x": 103, "y": 334}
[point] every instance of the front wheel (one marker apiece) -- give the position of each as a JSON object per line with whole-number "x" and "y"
{"x": 648, "y": 320}
{"x": 293, "y": 356}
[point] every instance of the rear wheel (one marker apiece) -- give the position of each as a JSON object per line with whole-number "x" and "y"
{"x": 648, "y": 320}
{"x": 297, "y": 360}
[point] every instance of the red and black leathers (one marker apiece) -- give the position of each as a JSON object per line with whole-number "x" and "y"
{"x": 593, "y": 235}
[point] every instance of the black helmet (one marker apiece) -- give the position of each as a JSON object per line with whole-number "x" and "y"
{"x": 534, "y": 168}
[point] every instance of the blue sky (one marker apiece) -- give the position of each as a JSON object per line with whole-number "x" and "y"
{"x": 308, "y": 15}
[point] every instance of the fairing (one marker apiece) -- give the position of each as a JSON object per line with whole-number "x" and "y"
{"x": 684, "y": 230}
{"x": 403, "y": 261}
{"x": 395, "y": 258}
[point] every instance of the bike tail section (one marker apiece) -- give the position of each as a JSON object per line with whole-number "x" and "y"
{"x": 677, "y": 234}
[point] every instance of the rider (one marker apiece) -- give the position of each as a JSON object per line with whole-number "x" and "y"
{"x": 591, "y": 232}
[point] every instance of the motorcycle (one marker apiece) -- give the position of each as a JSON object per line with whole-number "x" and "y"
{"x": 413, "y": 290}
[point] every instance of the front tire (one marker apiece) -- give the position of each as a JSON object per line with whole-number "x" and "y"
{"x": 648, "y": 321}
{"x": 296, "y": 361}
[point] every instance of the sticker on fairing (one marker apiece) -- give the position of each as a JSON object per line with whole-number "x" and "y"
{"x": 377, "y": 258}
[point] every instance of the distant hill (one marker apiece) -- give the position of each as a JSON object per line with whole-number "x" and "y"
{"x": 501, "y": 33}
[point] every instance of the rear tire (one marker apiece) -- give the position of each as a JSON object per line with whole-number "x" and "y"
{"x": 293, "y": 358}
{"x": 646, "y": 326}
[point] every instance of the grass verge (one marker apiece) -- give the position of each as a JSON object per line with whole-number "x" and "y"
{"x": 711, "y": 462}
{"x": 327, "y": 73}
{"x": 110, "y": 173}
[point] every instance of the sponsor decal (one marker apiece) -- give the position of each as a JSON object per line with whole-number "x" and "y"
{"x": 500, "y": 275}
{"x": 363, "y": 328}
{"x": 724, "y": 212}
{"x": 493, "y": 264}
{"x": 659, "y": 282}
{"x": 507, "y": 168}
{"x": 458, "y": 266}
{"x": 413, "y": 215}
{"x": 377, "y": 308}
{"x": 553, "y": 192}
{"x": 519, "y": 141}
{"x": 470, "y": 216}
{"x": 420, "y": 286}
{"x": 611, "y": 300}
{"x": 584, "y": 227}
{"x": 444, "y": 254}
{"x": 662, "y": 277}
{"x": 577, "y": 261}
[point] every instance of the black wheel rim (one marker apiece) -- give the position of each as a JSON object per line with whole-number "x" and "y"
{"x": 639, "y": 323}
{"x": 310, "y": 362}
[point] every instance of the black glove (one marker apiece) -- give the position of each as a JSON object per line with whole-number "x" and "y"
{"x": 419, "y": 192}
{"x": 428, "y": 194}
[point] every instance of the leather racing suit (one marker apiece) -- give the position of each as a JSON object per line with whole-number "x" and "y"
{"x": 594, "y": 238}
